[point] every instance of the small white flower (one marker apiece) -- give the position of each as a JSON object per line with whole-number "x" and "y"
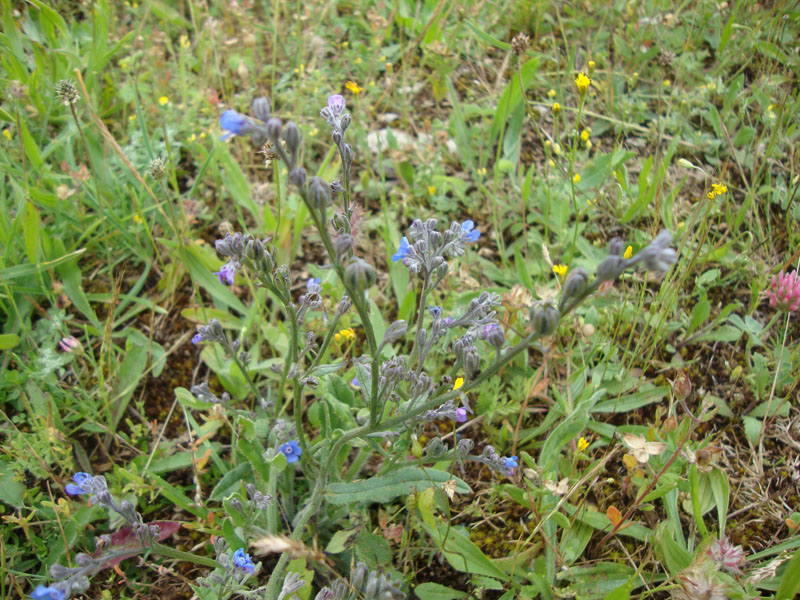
{"x": 641, "y": 449}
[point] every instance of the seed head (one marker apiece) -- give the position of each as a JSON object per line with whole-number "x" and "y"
{"x": 66, "y": 92}
{"x": 520, "y": 43}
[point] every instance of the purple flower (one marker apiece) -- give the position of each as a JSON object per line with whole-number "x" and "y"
{"x": 227, "y": 273}
{"x": 48, "y": 593}
{"x": 312, "y": 281}
{"x": 336, "y": 103}
{"x": 292, "y": 451}
{"x": 242, "y": 560}
{"x": 197, "y": 338}
{"x": 355, "y": 384}
{"x": 232, "y": 122}
{"x": 82, "y": 485}
{"x": 402, "y": 251}
{"x": 436, "y": 311}
{"x": 461, "y": 415}
{"x": 784, "y": 292}
{"x": 470, "y": 233}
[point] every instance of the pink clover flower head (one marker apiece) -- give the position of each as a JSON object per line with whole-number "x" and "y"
{"x": 784, "y": 292}
{"x": 725, "y": 554}
{"x": 70, "y": 344}
{"x": 336, "y": 104}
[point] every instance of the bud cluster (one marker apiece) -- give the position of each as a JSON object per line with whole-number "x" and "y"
{"x": 364, "y": 583}
{"x": 425, "y": 249}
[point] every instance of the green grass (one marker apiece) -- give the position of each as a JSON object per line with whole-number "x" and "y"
{"x": 683, "y": 96}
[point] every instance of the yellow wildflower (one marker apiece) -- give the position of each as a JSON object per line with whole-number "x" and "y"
{"x": 7, "y": 133}
{"x": 560, "y": 270}
{"x": 459, "y": 382}
{"x": 711, "y": 195}
{"x": 556, "y": 149}
{"x": 551, "y": 94}
{"x": 552, "y": 163}
{"x": 163, "y": 100}
{"x": 191, "y": 138}
{"x": 431, "y": 190}
{"x": 345, "y": 334}
{"x": 352, "y": 86}
{"x": 137, "y": 218}
{"x": 719, "y": 189}
{"x": 582, "y": 83}
{"x": 577, "y": 178}
{"x": 591, "y": 66}
{"x": 667, "y": 83}
{"x": 628, "y": 252}
{"x": 556, "y": 108}
{"x": 185, "y": 41}
{"x": 582, "y": 444}
{"x": 585, "y": 135}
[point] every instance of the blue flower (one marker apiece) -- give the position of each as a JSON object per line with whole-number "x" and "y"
{"x": 226, "y": 273}
{"x": 470, "y": 233}
{"x": 510, "y": 463}
{"x": 402, "y": 251}
{"x": 232, "y": 122}
{"x": 436, "y": 311}
{"x": 82, "y": 485}
{"x": 355, "y": 383}
{"x": 242, "y": 560}
{"x": 48, "y": 593}
{"x": 292, "y": 451}
{"x": 197, "y": 338}
{"x": 313, "y": 282}
{"x": 461, "y": 415}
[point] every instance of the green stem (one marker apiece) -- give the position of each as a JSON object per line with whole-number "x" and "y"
{"x": 181, "y": 555}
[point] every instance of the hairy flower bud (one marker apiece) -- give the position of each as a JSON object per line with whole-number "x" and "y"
{"x": 347, "y": 154}
{"x": 345, "y": 122}
{"x": 359, "y": 274}
{"x": 298, "y": 177}
{"x": 292, "y": 137}
{"x": 610, "y": 268}
{"x": 319, "y": 193}
{"x": 261, "y": 108}
{"x": 395, "y": 331}
{"x": 574, "y": 285}
{"x": 616, "y": 246}
{"x": 342, "y": 245}
{"x": 494, "y": 335}
{"x": 545, "y": 318}
{"x": 274, "y": 126}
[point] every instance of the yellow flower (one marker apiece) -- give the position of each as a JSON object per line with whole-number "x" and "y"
{"x": 711, "y": 195}
{"x": 552, "y": 163}
{"x": 357, "y": 60}
{"x": 185, "y": 41}
{"x": 132, "y": 118}
{"x": 719, "y": 189}
{"x": 582, "y": 83}
{"x": 582, "y": 444}
{"x": 556, "y": 149}
{"x": 551, "y": 94}
{"x": 556, "y": 108}
{"x": 667, "y": 83}
{"x": 591, "y": 66}
{"x": 560, "y": 270}
{"x": 138, "y": 219}
{"x": 431, "y": 190}
{"x": 345, "y": 334}
{"x": 7, "y": 133}
{"x": 352, "y": 86}
{"x": 577, "y": 178}
{"x": 585, "y": 135}
{"x": 191, "y": 138}
{"x": 163, "y": 100}
{"x": 123, "y": 65}
{"x": 459, "y": 382}
{"x": 628, "y": 252}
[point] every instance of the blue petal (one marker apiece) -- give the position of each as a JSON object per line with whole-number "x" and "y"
{"x": 467, "y": 226}
{"x": 232, "y": 121}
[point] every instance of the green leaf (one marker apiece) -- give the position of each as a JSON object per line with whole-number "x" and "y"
{"x": 437, "y": 591}
{"x": 567, "y": 430}
{"x": 461, "y": 553}
{"x": 373, "y": 549}
{"x": 623, "y": 592}
{"x": 385, "y": 488}
{"x": 129, "y": 373}
{"x": 202, "y": 273}
{"x": 700, "y": 313}
{"x": 8, "y": 341}
{"x": 230, "y": 480}
{"x": 790, "y": 581}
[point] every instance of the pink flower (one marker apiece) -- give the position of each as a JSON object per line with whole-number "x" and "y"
{"x": 70, "y": 344}
{"x": 784, "y": 293}
{"x": 725, "y": 554}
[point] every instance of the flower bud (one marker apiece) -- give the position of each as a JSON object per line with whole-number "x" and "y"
{"x": 616, "y": 246}
{"x": 344, "y": 305}
{"x": 359, "y": 274}
{"x": 319, "y": 193}
{"x": 254, "y": 250}
{"x": 261, "y": 108}
{"x": 345, "y": 122}
{"x": 274, "y": 129}
{"x": 292, "y": 137}
{"x": 574, "y": 285}
{"x": 342, "y": 245}
{"x": 610, "y": 268}
{"x": 336, "y": 135}
{"x": 494, "y": 335}
{"x": 347, "y": 154}
{"x": 298, "y": 177}
{"x": 545, "y": 318}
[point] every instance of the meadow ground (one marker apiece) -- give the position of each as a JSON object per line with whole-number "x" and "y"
{"x": 566, "y": 405}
